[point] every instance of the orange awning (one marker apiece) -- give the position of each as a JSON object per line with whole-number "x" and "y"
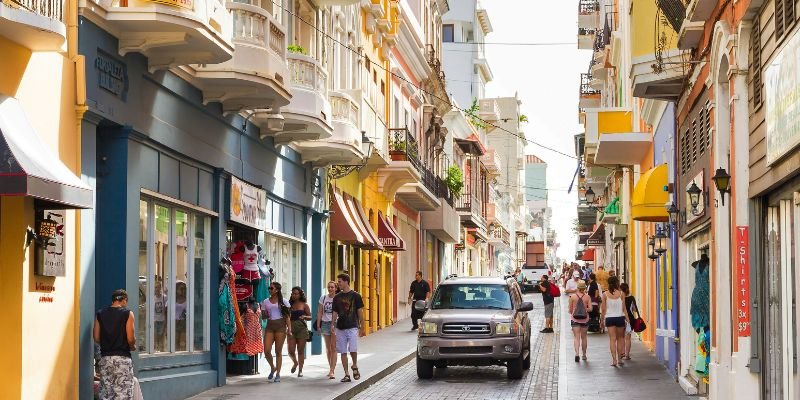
{"x": 371, "y": 241}
{"x": 588, "y": 255}
{"x": 389, "y": 237}
{"x": 342, "y": 224}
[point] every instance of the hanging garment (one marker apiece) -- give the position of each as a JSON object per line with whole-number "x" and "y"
{"x": 252, "y": 326}
{"x": 699, "y": 309}
{"x": 237, "y": 316}
{"x": 701, "y": 360}
{"x": 261, "y": 292}
{"x": 240, "y": 342}
{"x": 227, "y": 318}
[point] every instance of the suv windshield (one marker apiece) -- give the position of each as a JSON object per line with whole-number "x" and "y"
{"x": 472, "y": 296}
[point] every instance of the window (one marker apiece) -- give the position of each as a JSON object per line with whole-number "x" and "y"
{"x": 448, "y": 33}
{"x": 472, "y": 296}
{"x": 784, "y": 17}
{"x": 173, "y": 279}
{"x": 285, "y": 257}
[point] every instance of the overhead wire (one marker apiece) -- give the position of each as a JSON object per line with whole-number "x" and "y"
{"x": 381, "y": 67}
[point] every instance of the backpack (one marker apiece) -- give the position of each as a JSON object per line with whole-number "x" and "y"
{"x": 580, "y": 309}
{"x": 554, "y": 290}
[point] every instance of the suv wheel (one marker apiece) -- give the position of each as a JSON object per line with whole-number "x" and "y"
{"x": 424, "y": 368}
{"x": 526, "y": 363}
{"x": 513, "y": 368}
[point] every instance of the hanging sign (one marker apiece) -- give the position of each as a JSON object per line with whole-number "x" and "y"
{"x": 248, "y": 204}
{"x": 781, "y": 89}
{"x": 50, "y": 255}
{"x": 742, "y": 281}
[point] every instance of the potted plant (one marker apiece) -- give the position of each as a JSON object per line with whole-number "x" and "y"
{"x": 398, "y": 151}
{"x": 454, "y": 180}
{"x": 297, "y": 49}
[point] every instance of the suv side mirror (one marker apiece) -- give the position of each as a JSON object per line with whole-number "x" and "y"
{"x": 421, "y": 305}
{"x": 525, "y": 306}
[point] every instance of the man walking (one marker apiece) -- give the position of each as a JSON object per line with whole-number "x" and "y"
{"x": 348, "y": 318}
{"x": 114, "y": 332}
{"x": 547, "y": 298}
{"x": 420, "y": 290}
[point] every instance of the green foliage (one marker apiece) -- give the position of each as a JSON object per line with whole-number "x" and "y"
{"x": 293, "y": 48}
{"x": 454, "y": 180}
{"x": 523, "y": 118}
{"x": 472, "y": 115}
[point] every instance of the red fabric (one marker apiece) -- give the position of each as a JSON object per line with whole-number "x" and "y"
{"x": 252, "y": 327}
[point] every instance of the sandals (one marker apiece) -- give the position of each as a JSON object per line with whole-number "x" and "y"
{"x": 294, "y": 368}
{"x": 345, "y": 379}
{"x": 356, "y": 374}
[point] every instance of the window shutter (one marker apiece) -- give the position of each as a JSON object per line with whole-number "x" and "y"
{"x": 755, "y": 44}
{"x": 693, "y": 144}
{"x": 779, "y": 27}
{"x": 701, "y": 132}
{"x": 707, "y": 127}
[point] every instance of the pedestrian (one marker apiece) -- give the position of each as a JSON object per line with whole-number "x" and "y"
{"x": 602, "y": 278}
{"x": 114, "y": 332}
{"x": 616, "y": 318}
{"x": 571, "y": 287}
{"x": 324, "y": 316}
{"x": 275, "y": 310}
{"x": 595, "y": 319}
{"x": 348, "y": 318}
{"x": 420, "y": 290}
{"x": 579, "y": 307}
{"x": 630, "y": 305}
{"x": 300, "y": 313}
{"x": 547, "y": 298}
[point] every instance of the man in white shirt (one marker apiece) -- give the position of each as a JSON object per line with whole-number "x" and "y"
{"x": 572, "y": 284}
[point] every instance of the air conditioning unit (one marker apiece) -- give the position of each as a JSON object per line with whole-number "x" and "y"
{"x": 619, "y": 232}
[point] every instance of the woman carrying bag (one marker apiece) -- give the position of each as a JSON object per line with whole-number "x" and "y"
{"x": 636, "y": 323}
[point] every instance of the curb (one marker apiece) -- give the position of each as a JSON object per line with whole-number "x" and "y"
{"x": 364, "y": 384}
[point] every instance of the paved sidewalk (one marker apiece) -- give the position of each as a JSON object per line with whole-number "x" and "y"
{"x": 378, "y": 354}
{"x": 641, "y": 378}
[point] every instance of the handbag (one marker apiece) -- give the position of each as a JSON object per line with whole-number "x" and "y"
{"x": 638, "y": 325}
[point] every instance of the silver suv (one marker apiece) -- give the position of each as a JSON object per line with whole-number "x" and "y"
{"x": 475, "y": 321}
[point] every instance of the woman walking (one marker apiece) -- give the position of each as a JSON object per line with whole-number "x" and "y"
{"x": 275, "y": 310}
{"x": 630, "y": 305}
{"x": 324, "y": 317}
{"x": 616, "y": 318}
{"x": 299, "y": 334}
{"x": 580, "y": 305}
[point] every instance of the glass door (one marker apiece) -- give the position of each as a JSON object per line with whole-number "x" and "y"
{"x": 773, "y": 373}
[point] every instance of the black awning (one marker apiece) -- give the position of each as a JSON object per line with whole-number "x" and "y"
{"x": 29, "y": 168}
{"x": 598, "y": 237}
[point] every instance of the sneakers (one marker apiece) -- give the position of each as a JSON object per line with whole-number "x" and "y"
{"x": 546, "y": 330}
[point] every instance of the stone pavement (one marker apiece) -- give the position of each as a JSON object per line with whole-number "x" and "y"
{"x": 379, "y": 354}
{"x": 641, "y": 378}
{"x": 538, "y": 383}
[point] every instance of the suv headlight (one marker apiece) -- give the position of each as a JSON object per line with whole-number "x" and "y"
{"x": 427, "y": 327}
{"x": 506, "y": 328}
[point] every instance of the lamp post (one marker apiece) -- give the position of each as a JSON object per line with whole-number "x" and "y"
{"x": 694, "y": 197}
{"x": 674, "y": 213}
{"x": 651, "y": 249}
{"x": 590, "y": 195}
{"x": 661, "y": 242}
{"x": 722, "y": 180}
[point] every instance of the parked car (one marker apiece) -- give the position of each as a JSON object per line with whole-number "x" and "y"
{"x": 475, "y": 321}
{"x": 532, "y": 275}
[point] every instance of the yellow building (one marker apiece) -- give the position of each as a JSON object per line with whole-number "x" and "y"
{"x": 39, "y": 190}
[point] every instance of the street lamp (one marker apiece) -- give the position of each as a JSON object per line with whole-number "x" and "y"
{"x": 590, "y": 195}
{"x": 651, "y": 249}
{"x": 722, "y": 180}
{"x": 674, "y": 213}
{"x": 661, "y": 241}
{"x": 694, "y": 197}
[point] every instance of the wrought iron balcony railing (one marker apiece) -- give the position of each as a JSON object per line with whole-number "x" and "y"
{"x": 53, "y": 9}
{"x": 586, "y": 88}
{"x": 403, "y": 147}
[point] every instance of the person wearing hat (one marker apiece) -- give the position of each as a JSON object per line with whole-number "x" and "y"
{"x": 580, "y": 305}
{"x": 572, "y": 285}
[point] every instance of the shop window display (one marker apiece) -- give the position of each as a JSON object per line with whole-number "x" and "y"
{"x": 285, "y": 257}
{"x": 173, "y": 275}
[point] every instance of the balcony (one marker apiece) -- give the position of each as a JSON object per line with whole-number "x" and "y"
{"x": 255, "y": 77}
{"x": 35, "y": 24}
{"x": 169, "y": 33}
{"x": 586, "y": 38}
{"x": 404, "y": 166}
{"x": 470, "y": 211}
{"x": 420, "y": 195}
{"x": 443, "y": 222}
{"x": 658, "y": 78}
{"x": 488, "y": 110}
{"x": 499, "y": 236}
{"x": 590, "y": 97}
{"x": 588, "y": 14}
{"x": 344, "y": 147}
{"x": 308, "y": 115}
{"x": 492, "y": 163}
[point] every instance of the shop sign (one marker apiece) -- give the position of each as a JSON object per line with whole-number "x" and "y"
{"x": 112, "y": 74}
{"x": 50, "y": 256}
{"x": 781, "y": 90}
{"x": 248, "y": 204}
{"x": 187, "y": 4}
{"x": 743, "y": 281}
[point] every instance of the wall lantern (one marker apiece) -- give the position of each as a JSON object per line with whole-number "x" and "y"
{"x": 674, "y": 214}
{"x": 722, "y": 180}
{"x": 694, "y": 197}
{"x": 661, "y": 241}
{"x": 651, "y": 249}
{"x": 590, "y": 196}
{"x": 46, "y": 230}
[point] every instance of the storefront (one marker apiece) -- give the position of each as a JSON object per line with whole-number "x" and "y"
{"x": 180, "y": 186}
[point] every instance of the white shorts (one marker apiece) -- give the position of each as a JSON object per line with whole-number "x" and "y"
{"x": 346, "y": 340}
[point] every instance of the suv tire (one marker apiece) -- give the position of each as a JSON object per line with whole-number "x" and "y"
{"x": 424, "y": 368}
{"x": 513, "y": 368}
{"x": 526, "y": 362}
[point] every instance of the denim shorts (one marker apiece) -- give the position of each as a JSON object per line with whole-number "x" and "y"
{"x": 615, "y": 321}
{"x": 325, "y": 328}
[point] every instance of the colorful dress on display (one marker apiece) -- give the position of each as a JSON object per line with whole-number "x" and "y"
{"x": 227, "y": 317}
{"x": 699, "y": 309}
{"x": 703, "y": 343}
{"x": 240, "y": 334}
{"x": 252, "y": 327}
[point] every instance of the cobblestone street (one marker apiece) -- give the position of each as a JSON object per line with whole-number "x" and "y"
{"x": 538, "y": 383}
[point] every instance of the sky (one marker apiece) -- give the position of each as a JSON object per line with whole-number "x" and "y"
{"x": 547, "y": 80}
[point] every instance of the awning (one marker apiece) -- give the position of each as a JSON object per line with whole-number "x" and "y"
{"x": 389, "y": 237}
{"x": 598, "y": 237}
{"x": 342, "y": 224}
{"x": 588, "y": 255}
{"x": 471, "y": 145}
{"x": 371, "y": 241}
{"x": 650, "y": 195}
{"x": 29, "y": 168}
{"x": 583, "y": 236}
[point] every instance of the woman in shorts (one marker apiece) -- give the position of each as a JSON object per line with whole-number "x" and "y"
{"x": 299, "y": 335}
{"x": 616, "y": 320}
{"x": 275, "y": 310}
{"x": 580, "y": 305}
{"x": 324, "y": 317}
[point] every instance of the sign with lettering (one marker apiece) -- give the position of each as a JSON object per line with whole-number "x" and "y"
{"x": 112, "y": 74}
{"x": 781, "y": 91}
{"x": 742, "y": 281}
{"x": 50, "y": 255}
{"x": 248, "y": 204}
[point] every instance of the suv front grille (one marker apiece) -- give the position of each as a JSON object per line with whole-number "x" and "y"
{"x": 466, "y": 329}
{"x": 466, "y": 350}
